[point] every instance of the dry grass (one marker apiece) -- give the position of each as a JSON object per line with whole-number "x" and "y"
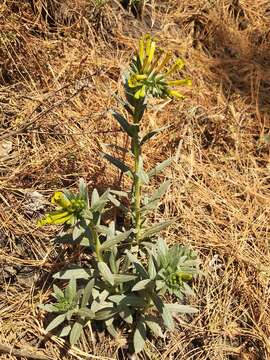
{"x": 57, "y": 77}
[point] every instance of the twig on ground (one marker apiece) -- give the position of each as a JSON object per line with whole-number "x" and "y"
{"x": 9, "y": 349}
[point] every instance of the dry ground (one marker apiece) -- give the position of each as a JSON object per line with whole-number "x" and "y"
{"x": 57, "y": 77}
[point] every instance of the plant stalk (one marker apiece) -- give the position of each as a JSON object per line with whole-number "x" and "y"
{"x": 137, "y": 183}
{"x": 97, "y": 245}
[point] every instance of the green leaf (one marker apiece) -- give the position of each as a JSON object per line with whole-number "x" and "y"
{"x": 94, "y": 197}
{"x": 87, "y": 292}
{"x": 106, "y": 272}
{"x": 111, "y": 329}
{"x": 82, "y": 234}
{"x": 122, "y": 278}
{"x": 179, "y": 308}
{"x": 119, "y": 164}
{"x": 151, "y": 268}
{"x": 115, "y": 240}
{"x": 64, "y": 239}
{"x": 154, "y": 326}
{"x": 128, "y": 300}
{"x": 125, "y": 104}
{"x": 75, "y": 272}
{"x": 164, "y": 311}
{"x": 83, "y": 190}
{"x": 58, "y": 293}
{"x": 105, "y": 314}
{"x": 65, "y": 331}
{"x": 49, "y": 308}
{"x": 55, "y": 322}
{"x": 138, "y": 265}
{"x": 118, "y": 148}
{"x": 160, "y": 167}
{"x": 70, "y": 290}
{"x": 156, "y": 228}
{"x": 100, "y": 203}
{"x": 139, "y": 337}
{"x": 86, "y": 313}
{"x": 155, "y": 198}
{"x": 126, "y": 314}
{"x": 128, "y": 128}
{"x": 141, "y": 285}
{"x": 119, "y": 193}
{"x": 75, "y": 332}
{"x": 152, "y": 134}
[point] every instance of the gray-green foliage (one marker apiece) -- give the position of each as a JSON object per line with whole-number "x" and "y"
{"x": 130, "y": 272}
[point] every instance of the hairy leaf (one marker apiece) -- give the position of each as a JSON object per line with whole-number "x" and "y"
{"x": 139, "y": 337}
{"x": 115, "y": 240}
{"x": 75, "y": 272}
{"x": 75, "y": 332}
{"x": 128, "y": 300}
{"x": 87, "y": 292}
{"x": 128, "y": 128}
{"x": 55, "y": 322}
{"x": 160, "y": 167}
{"x": 164, "y": 311}
{"x": 156, "y": 228}
{"x": 179, "y": 308}
{"x": 87, "y": 313}
{"x": 119, "y": 164}
{"x": 141, "y": 285}
{"x": 106, "y": 272}
{"x": 152, "y": 134}
{"x": 65, "y": 331}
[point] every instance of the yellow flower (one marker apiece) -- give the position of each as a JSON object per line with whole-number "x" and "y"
{"x": 149, "y": 74}
{"x": 68, "y": 208}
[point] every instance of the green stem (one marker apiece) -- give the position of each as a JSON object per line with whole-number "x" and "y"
{"x": 137, "y": 183}
{"x": 97, "y": 245}
{"x": 137, "y": 189}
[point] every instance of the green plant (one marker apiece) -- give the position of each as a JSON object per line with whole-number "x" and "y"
{"x": 131, "y": 273}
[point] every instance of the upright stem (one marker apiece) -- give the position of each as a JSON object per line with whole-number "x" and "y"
{"x": 137, "y": 189}
{"x": 137, "y": 183}
{"x": 97, "y": 245}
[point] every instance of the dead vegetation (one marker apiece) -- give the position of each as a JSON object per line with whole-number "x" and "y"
{"x": 60, "y": 63}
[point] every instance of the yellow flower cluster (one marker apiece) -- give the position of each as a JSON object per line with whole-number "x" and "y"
{"x": 149, "y": 74}
{"x": 66, "y": 210}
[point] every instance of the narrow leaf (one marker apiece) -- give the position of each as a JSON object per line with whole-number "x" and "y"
{"x": 154, "y": 326}
{"x": 70, "y": 290}
{"x": 152, "y": 134}
{"x": 122, "y": 278}
{"x": 75, "y": 332}
{"x": 87, "y": 292}
{"x": 179, "y": 308}
{"x": 115, "y": 240}
{"x": 65, "y": 331}
{"x": 160, "y": 167}
{"x": 94, "y": 197}
{"x": 141, "y": 285}
{"x": 139, "y": 337}
{"x": 156, "y": 228}
{"x": 119, "y": 164}
{"x": 106, "y": 272}
{"x": 58, "y": 293}
{"x": 87, "y": 313}
{"x": 128, "y": 128}
{"x": 164, "y": 311}
{"x": 128, "y": 300}
{"x": 83, "y": 190}
{"x": 76, "y": 272}
{"x": 55, "y": 322}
